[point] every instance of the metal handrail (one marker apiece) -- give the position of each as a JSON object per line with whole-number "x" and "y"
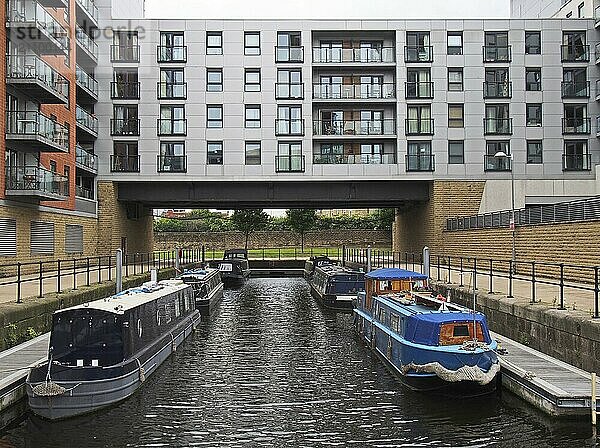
{"x": 418, "y": 89}
{"x": 575, "y": 53}
{"x": 125, "y": 53}
{"x": 576, "y": 126}
{"x": 125, "y": 90}
{"x": 289, "y": 53}
{"x": 287, "y": 90}
{"x": 35, "y": 178}
{"x": 289, "y": 126}
{"x": 124, "y": 164}
{"x": 35, "y": 123}
{"x": 386, "y": 126}
{"x": 497, "y": 89}
{"x": 171, "y": 90}
{"x": 495, "y": 53}
{"x": 171, "y": 163}
{"x": 420, "y": 162}
{"x": 354, "y": 159}
{"x": 354, "y": 91}
{"x": 573, "y": 89}
{"x": 85, "y": 193}
{"x": 32, "y": 67}
{"x": 289, "y": 164}
{"x": 19, "y": 13}
{"x": 418, "y": 126}
{"x": 497, "y": 126}
{"x": 125, "y": 126}
{"x": 418, "y": 53}
{"x": 329, "y": 55}
{"x": 171, "y": 126}
{"x": 171, "y": 53}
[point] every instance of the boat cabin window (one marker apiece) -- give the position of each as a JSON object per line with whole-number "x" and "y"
{"x": 456, "y": 333}
{"x": 395, "y": 323}
{"x": 87, "y": 337}
{"x": 344, "y": 284}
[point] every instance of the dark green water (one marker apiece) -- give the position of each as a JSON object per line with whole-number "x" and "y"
{"x": 273, "y": 369}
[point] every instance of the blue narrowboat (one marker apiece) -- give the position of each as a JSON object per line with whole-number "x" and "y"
{"x": 430, "y": 344}
{"x": 335, "y": 287}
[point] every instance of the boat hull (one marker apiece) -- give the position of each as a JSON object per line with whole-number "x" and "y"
{"x": 86, "y": 396}
{"x": 230, "y": 278}
{"x": 342, "y": 304}
{"x": 208, "y": 305}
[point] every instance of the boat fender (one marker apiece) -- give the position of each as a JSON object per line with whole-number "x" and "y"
{"x": 173, "y": 345}
{"x": 141, "y": 371}
{"x": 389, "y": 347}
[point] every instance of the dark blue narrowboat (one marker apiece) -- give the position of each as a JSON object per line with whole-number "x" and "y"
{"x": 430, "y": 344}
{"x": 207, "y": 286}
{"x": 335, "y": 287}
{"x": 234, "y": 266}
{"x": 314, "y": 262}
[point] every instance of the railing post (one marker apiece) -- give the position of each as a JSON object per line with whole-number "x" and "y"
{"x": 461, "y": 273}
{"x": 58, "y": 288}
{"x": 88, "y": 270}
{"x": 344, "y": 255}
{"x": 475, "y": 273}
{"x": 491, "y": 291}
{"x": 109, "y": 268}
{"x": 413, "y": 261}
{"x": 562, "y": 286}
{"x": 203, "y": 254}
{"x": 510, "y": 279}
{"x": 438, "y": 268}
{"x": 126, "y": 261}
{"x": 449, "y": 271}
{"x": 74, "y": 274}
{"x": 19, "y": 283}
{"x": 368, "y": 258}
{"x": 135, "y": 262}
{"x": 99, "y": 269}
{"x": 119, "y": 271}
{"x": 533, "y": 282}
{"x": 426, "y": 262}
{"x": 596, "y": 291}
{"x": 41, "y": 294}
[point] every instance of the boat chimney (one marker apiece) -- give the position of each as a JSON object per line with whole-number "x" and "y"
{"x": 154, "y": 276}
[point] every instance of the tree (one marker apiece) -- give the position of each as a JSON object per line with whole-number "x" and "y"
{"x": 248, "y": 221}
{"x": 301, "y": 220}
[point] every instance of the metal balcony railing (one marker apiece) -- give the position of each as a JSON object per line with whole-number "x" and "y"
{"x": 418, "y": 126}
{"x": 420, "y": 162}
{"x": 87, "y": 120}
{"x": 85, "y": 193}
{"x": 171, "y": 164}
{"x": 125, "y": 90}
{"x": 170, "y": 53}
{"x": 576, "y": 126}
{"x": 289, "y": 164}
{"x": 170, "y": 90}
{"x": 497, "y": 126}
{"x": 86, "y": 81}
{"x": 86, "y": 41}
{"x": 328, "y": 55}
{"x": 289, "y": 54}
{"x": 294, "y": 126}
{"x": 86, "y": 159}
{"x": 575, "y": 53}
{"x": 387, "y": 126}
{"x": 577, "y": 162}
{"x": 497, "y": 89}
{"x": 571, "y": 89}
{"x": 36, "y": 180}
{"x": 354, "y": 91}
{"x": 492, "y": 53}
{"x": 125, "y": 53}
{"x": 31, "y": 67}
{"x": 418, "y": 53}
{"x": 289, "y": 91}
{"x": 597, "y": 15}
{"x": 492, "y": 163}
{"x": 35, "y": 124}
{"x": 171, "y": 126}
{"x": 420, "y": 89}
{"x": 354, "y": 159}
{"x": 125, "y": 126}
{"x": 31, "y": 12}
{"x": 124, "y": 164}
{"x": 90, "y": 7}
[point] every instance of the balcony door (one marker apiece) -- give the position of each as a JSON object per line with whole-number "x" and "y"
{"x": 575, "y": 118}
{"x": 370, "y": 51}
{"x": 331, "y": 51}
{"x": 371, "y": 122}
{"x": 289, "y": 120}
{"x": 289, "y": 156}
{"x": 419, "y": 119}
{"x": 496, "y": 117}
{"x": 371, "y": 153}
{"x": 575, "y": 80}
{"x": 418, "y": 83}
{"x": 331, "y": 87}
{"x": 172, "y": 46}
{"x": 497, "y": 82}
{"x": 125, "y": 119}
{"x": 371, "y": 87}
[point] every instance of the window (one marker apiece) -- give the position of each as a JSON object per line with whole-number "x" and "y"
{"x": 67, "y": 171}
{"x": 125, "y": 120}
{"x": 289, "y": 121}
{"x": 125, "y": 157}
{"x": 252, "y": 43}
{"x": 455, "y": 42}
{"x": 496, "y": 48}
{"x": 125, "y": 84}
{"x": 418, "y": 48}
{"x": 172, "y": 84}
{"x": 289, "y": 84}
{"x": 252, "y": 153}
{"x": 493, "y": 163}
{"x": 497, "y": 83}
{"x": 289, "y": 157}
{"x": 576, "y": 156}
{"x": 419, "y": 83}
{"x": 533, "y": 42}
{"x": 41, "y": 238}
{"x": 172, "y": 48}
{"x": 534, "y": 151}
{"x": 575, "y": 83}
{"x": 289, "y": 47}
{"x": 214, "y": 153}
{"x": 456, "y": 115}
{"x": 497, "y": 119}
{"x": 533, "y": 79}
{"x": 214, "y": 79}
{"x": 580, "y": 9}
{"x": 172, "y": 157}
{"x": 252, "y": 119}
{"x": 125, "y": 47}
{"x": 418, "y": 121}
{"x": 576, "y": 120}
{"x": 574, "y": 48}
{"x": 419, "y": 157}
{"x": 73, "y": 239}
{"x": 456, "y": 152}
{"x": 214, "y": 114}
{"x": 455, "y": 79}
{"x": 252, "y": 80}
{"x": 214, "y": 42}
{"x": 172, "y": 120}
{"x": 533, "y": 115}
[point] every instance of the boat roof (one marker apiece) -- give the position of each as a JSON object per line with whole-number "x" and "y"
{"x": 395, "y": 274}
{"x": 198, "y": 274}
{"x": 133, "y": 297}
{"x": 335, "y": 269}
{"x": 235, "y": 253}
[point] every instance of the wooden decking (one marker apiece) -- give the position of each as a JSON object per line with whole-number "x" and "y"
{"x": 553, "y": 386}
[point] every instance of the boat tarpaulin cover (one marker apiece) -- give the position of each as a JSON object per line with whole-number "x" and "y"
{"x": 425, "y": 328}
{"x": 395, "y": 274}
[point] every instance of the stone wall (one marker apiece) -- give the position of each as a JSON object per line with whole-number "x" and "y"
{"x": 258, "y": 240}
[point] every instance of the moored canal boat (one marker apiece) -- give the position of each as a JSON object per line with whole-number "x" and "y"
{"x": 335, "y": 287}
{"x": 102, "y": 351}
{"x": 234, "y": 266}
{"x": 207, "y": 286}
{"x": 314, "y": 262}
{"x": 428, "y": 343}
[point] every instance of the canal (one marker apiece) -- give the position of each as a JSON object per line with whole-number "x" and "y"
{"x": 272, "y": 369}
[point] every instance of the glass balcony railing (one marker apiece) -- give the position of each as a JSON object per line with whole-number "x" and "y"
{"x": 493, "y": 53}
{"x": 288, "y": 91}
{"x": 173, "y": 91}
{"x": 86, "y": 159}
{"x": 418, "y": 53}
{"x": 577, "y": 162}
{"x": 36, "y": 180}
{"x": 125, "y": 53}
{"x": 125, "y": 90}
{"x": 125, "y": 126}
{"x": 87, "y": 120}
{"x": 23, "y": 12}
{"x": 493, "y": 163}
{"x": 166, "y": 53}
{"x": 171, "y": 164}
{"x": 289, "y": 164}
{"x": 497, "y": 89}
{"x": 575, "y": 53}
{"x": 420, "y": 162}
{"x": 572, "y": 89}
{"x": 419, "y": 126}
{"x": 597, "y": 14}
{"x": 322, "y": 55}
{"x": 90, "y": 7}
{"x": 293, "y": 126}
{"x": 35, "y": 124}
{"x": 420, "y": 89}
{"x": 576, "y": 126}
{"x": 354, "y": 159}
{"x": 497, "y": 126}
{"x": 86, "y": 81}
{"x": 172, "y": 126}
{"x": 87, "y": 42}
{"x": 289, "y": 54}
{"x": 125, "y": 164}
{"x": 85, "y": 193}
{"x": 387, "y": 126}
{"x": 354, "y": 91}
{"x": 31, "y": 67}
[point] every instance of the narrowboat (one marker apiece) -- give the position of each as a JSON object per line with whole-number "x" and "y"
{"x": 207, "y": 286}
{"x": 335, "y": 287}
{"x": 234, "y": 266}
{"x": 101, "y": 352}
{"x": 313, "y": 262}
{"x": 429, "y": 343}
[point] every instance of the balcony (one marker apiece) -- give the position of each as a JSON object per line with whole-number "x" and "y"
{"x": 289, "y": 54}
{"x": 293, "y": 127}
{"x": 37, "y": 79}
{"x": 493, "y": 53}
{"x": 491, "y": 163}
{"x": 497, "y": 126}
{"x": 289, "y": 164}
{"x": 171, "y": 126}
{"x": 354, "y": 159}
{"x": 125, "y": 90}
{"x": 597, "y": 52}
{"x": 328, "y": 55}
{"x": 418, "y": 90}
{"x": 86, "y": 13}
{"x": 575, "y": 53}
{"x": 386, "y": 90}
{"x": 87, "y": 48}
{"x": 32, "y": 131}
{"x": 37, "y": 183}
{"x": 576, "y": 126}
{"x": 171, "y": 164}
{"x": 420, "y": 162}
{"x": 287, "y": 91}
{"x": 87, "y": 125}
{"x": 577, "y": 162}
{"x": 86, "y": 160}
{"x": 54, "y": 3}
{"x": 87, "y": 87}
{"x": 571, "y": 89}
{"x": 171, "y": 91}
{"x": 30, "y": 24}
{"x": 125, "y": 127}
{"x": 125, "y": 53}
{"x": 418, "y": 53}
{"x": 84, "y": 193}
{"x": 124, "y": 164}
{"x": 416, "y": 126}
{"x": 597, "y": 16}
{"x": 500, "y": 89}
{"x": 165, "y": 54}
{"x": 351, "y": 128}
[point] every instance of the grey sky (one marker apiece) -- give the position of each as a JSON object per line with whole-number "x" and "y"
{"x": 338, "y": 9}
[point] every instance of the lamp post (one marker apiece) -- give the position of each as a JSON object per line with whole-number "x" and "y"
{"x": 502, "y": 155}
